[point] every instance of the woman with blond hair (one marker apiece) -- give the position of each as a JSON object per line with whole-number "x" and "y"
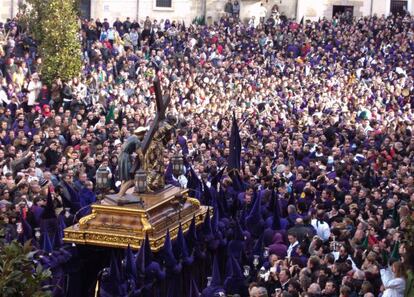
{"x": 393, "y": 279}
{"x": 19, "y": 76}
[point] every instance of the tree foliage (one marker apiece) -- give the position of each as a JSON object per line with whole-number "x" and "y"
{"x": 54, "y": 25}
{"x": 19, "y": 275}
{"x": 410, "y": 229}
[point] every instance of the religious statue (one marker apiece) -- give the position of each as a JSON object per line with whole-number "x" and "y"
{"x": 131, "y": 146}
{"x": 149, "y": 150}
{"x": 131, "y": 217}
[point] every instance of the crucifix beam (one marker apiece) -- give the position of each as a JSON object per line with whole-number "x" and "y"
{"x": 162, "y": 104}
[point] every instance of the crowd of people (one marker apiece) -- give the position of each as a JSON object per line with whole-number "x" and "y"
{"x": 321, "y": 201}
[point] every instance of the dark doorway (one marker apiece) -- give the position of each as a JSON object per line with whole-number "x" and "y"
{"x": 85, "y": 9}
{"x": 343, "y": 9}
{"x": 398, "y": 7}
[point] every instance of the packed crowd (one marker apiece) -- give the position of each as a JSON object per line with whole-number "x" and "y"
{"x": 322, "y": 200}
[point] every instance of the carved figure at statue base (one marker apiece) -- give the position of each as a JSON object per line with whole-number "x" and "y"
{"x": 154, "y": 158}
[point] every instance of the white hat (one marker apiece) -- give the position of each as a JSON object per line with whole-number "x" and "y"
{"x": 280, "y": 168}
{"x": 141, "y": 130}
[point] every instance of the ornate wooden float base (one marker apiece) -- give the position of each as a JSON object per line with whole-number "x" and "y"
{"x": 118, "y": 223}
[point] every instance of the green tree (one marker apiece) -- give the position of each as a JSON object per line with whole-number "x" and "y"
{"x": 19, "y": 275}
{"x": 54, "y": 25}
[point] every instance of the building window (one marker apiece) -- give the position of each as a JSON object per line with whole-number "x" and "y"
{"x": 85, "y": 8}
{"x": 342, "y": 10}
{"x": 399, "y": 7}
{"x": 163, "y": 3}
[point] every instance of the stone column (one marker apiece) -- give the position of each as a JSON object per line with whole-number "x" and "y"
{"x": 410, "y": 6}
{"x": 301, "y": 10}
{"x": 96, "y": 9}
{"x": 387, "y": 7}
{"x": 5, "y": 11}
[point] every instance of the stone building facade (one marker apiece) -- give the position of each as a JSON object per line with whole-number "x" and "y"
{"x": 188, "y": 10}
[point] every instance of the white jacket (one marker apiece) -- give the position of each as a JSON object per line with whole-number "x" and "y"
{"x": 3, "y": 97}
{"x": 394, "y": 287}
{"x": 34, "y": 91}
{"x": 322, "y": 229}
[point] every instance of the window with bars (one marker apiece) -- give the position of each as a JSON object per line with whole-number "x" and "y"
{"x": 399, "y": 7}
{"x": 163, "y": 3}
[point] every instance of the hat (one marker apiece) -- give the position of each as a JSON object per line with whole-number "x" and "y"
{"x": 268, "y": 236}
{"x": 280, "y": 168}
{"x": 170, "y": 262}
{"x": 111, "y": 284}
{"x": 254, "y": 221}
{"x": 43, "y": 182}
{"x": 193, "y": 288}
{"x": 180, "y": 248}
{"x": 206, "y": 229}
{"x": 258, "y": 247}
{"x": 234, "y": 283}
{"x": 114, "y": 267}
{"x": 47, "y": 246}
{"x": 235, "y": 248}
{"x": 130, "y": 268}
{"x": 141, "y": 130}
{"x": 140, "y": 262}
{"x": 214, "y": 243}
{"x": 118, "y": 142}
{"x": 4, "y": 203}
{"x": 191, "y": 236}
{"x": 216, "y": 283}
{"x": 154, "y": 271}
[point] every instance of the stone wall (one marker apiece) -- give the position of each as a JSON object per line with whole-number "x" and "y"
{"x": 187, "y": 10}
{"x": 324, "y": 8}
{"x": 8, "y": 8}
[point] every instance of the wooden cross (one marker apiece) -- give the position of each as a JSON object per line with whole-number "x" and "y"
{"x": 162, "y": 104}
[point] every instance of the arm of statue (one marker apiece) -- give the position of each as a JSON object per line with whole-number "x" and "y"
{"x": 138, "y": 162}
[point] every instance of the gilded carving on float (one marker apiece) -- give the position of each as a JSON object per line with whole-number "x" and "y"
{"x": 146, "y": 225}
{"x": 94, "y": 232}
{"x": 87, "y": 218}
{"x": 194, "y": 201}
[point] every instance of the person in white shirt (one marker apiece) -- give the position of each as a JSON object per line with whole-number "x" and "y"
{"x": 253, "y": 22}
{"x": 294, "y": 244}
{"x": 262, "y": 13}
{"x": 34, "y": 87}
{"x": 134, "y": 36}
{"x": 3, "y": 97}
{"x": 393, "y": 280}
{"x": 322, "y": 228}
